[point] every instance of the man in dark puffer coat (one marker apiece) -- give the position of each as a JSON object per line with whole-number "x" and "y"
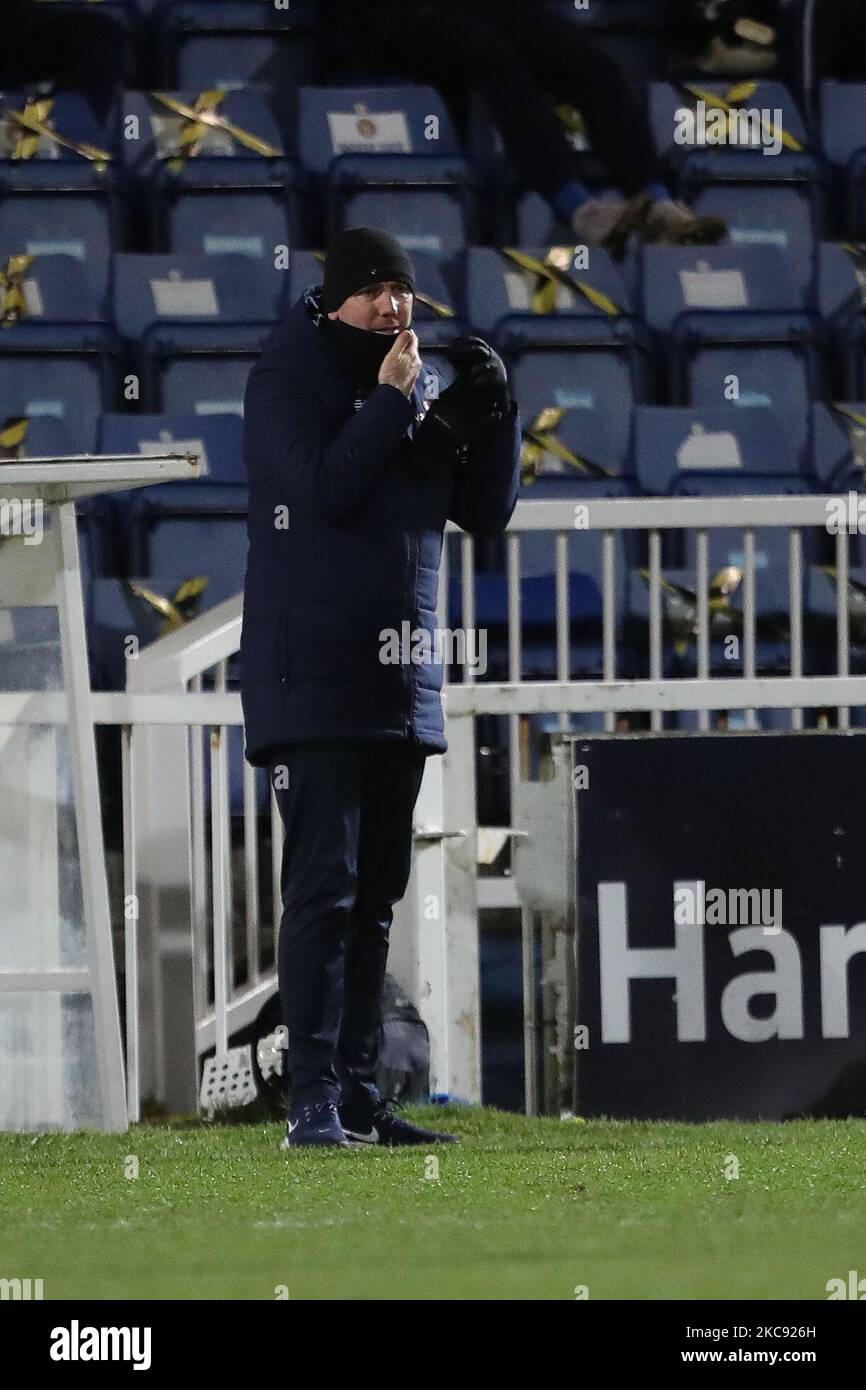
{"x": 355, "y": 462}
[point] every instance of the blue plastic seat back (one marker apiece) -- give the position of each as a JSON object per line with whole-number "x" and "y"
{"x": 235, "y": 42}
{"x": 718, "y": 281}
{"x": 47, "y": 163}
{"x": 702, "y": 449}
{"x": 427, "y": 219}
{"x": 177, "y": 291}
{"x": 64, "y": 301}
{"x": 218, "y": 151}
{"x": 780, "y": 377}
{"x": 746, "y": 142}
{"x": 216, "y": 439}
{"x": 252, "y": 224}
{"x": 503, "y": 295}
{"x": 33, "y": 437}
{"x": 206, "y": 385}
{"x": 839, "y": 446}
{"x": 68, "y": 391}
{"x": 212, "y": 542}
{"x": 843, "y": 124}
{"x": 335, "y": 122}
{"x": 52, "y": 225}
{"x": 595, "y": 379}
{"x": 838, "y": 290}
{"x": 598, "y": 434}
{"x": 760, "y": 216}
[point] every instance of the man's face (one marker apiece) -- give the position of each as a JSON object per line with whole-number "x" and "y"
{"x": 381, "y": 308}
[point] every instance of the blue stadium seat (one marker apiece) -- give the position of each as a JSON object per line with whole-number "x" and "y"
{"x": 765, "y": 216}
{"x": 195, "y": 326}
{"x": 696, "y": 161}
{"x": 58, "y": 356}
{"x": 577, "y": 379}
{"x": 735, "y": 324}
{"x": 579, "y": 355}
{"x": 226, "y": 197}
{"x": 205, "y": 530}
{"x": 530, "y": 221}
{"x": 230, "y": 43}
{"x": 371, "y": 152}
{"x": 217, "y": 439}
{"x": 117, "y": 613}
{"x": 843, "y": 126}
{"x": 601, "y": 437}
{"x": 700, "y": 451}
{"x": 839, "y": 446}
{"x": 56, "y": 199}
{"x": 34, "y": 437}
{"x": 574, "y": 298}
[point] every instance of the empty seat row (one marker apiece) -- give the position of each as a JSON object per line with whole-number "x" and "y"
{"x": 391, "y": 154}
{"x": 174, "y": 334}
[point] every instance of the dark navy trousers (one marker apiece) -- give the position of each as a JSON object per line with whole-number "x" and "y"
{"x": 347, "y": 815}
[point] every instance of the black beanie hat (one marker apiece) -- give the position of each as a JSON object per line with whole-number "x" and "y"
{"x": 361, "y": 256}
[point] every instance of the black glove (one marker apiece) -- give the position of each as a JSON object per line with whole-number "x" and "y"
{"x": 482, "y": 372}
{"x": 477, "y": 396}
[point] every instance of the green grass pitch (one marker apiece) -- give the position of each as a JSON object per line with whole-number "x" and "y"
{"x": 521, "y": 1209}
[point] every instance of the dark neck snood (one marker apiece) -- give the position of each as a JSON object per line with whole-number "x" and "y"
{"x": 360, "y": 352}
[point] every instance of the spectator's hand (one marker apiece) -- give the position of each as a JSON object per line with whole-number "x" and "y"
{"x": 402, "y": 366}
{"x": 482, "y": 377}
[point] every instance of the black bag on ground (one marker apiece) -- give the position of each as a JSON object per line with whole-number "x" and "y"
{"x": 404, "y": 1056}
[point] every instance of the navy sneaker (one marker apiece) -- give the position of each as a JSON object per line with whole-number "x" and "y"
{"x": 314, "y": 1124}
{"x": 364, "y": 1125}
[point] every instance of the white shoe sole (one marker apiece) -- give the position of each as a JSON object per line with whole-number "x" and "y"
{"x": 362, "y": 1141}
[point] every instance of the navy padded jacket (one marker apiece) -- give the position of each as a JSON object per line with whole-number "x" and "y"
{"x": 344, "y": 543}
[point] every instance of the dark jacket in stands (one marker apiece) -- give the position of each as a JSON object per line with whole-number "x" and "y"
{"x": 358, "y": 549}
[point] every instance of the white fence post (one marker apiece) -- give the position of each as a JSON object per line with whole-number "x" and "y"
{"x": 461, "y": 912}
{"x": 162, "y": 819}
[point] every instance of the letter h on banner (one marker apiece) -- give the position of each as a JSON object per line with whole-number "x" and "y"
{"x": 621, "y": 963}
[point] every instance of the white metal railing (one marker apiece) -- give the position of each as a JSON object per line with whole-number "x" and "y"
{"x": 177, "y": 690}
{"x": 521, "y": 696}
